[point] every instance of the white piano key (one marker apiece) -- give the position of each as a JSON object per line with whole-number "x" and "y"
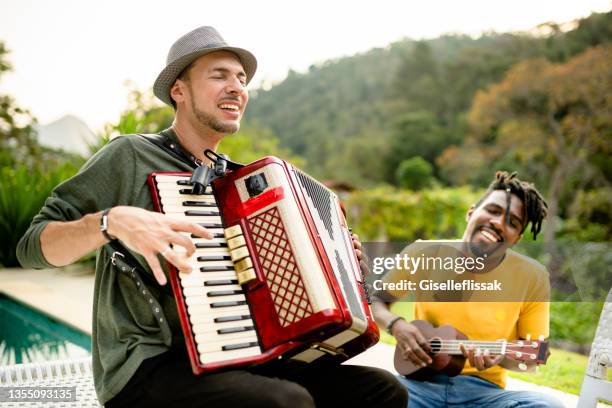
{"x": 201, "y": 300}
{"x": 215, "y": 342}
{"x": 182, "y": 209}
{"x": 205, "y": 309}
{"x": 198, "y": 281}
{"x": 212, "y": 327}
{"x": 218, "y": 250}
{"x": 164, "y": 178}
{"x": 211, "y": 219}
{"x": 204, "y": 290}
{"x": 174, "y": 199}
{"x": 205, "y": 346}
{"x": 209, "y": 316}
{"x": 208, "y": 358}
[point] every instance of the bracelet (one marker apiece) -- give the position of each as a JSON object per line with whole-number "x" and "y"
{"x": 104, "y": 226}
{"x": 392, "y": 323}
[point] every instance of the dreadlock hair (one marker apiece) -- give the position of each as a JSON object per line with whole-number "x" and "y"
{"x": 535, "y": 207}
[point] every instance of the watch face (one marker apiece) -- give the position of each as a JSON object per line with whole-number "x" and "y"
{"x": 256, "y": 184}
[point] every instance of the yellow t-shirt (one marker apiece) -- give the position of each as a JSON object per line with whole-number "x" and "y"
{"x": 488, "y": 320}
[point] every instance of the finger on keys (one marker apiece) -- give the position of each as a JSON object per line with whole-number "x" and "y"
{"x": 196, "y": 229}
{"x": 183, "y": 242}
{"x": 156, "y": 268}
{"x": 178, "y": 259}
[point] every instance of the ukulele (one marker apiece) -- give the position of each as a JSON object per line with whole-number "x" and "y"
{"x": 447, "y": 357}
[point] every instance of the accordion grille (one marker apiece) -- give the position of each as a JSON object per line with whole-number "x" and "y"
{"x": 282, "y": 275}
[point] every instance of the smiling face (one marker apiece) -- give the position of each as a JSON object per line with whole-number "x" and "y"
{"x": 489, "y": 229}
{"x": 213, "y": 93}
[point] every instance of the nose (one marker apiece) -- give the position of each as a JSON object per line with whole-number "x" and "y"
{"x": 498, "y": 222}
{"x": 234, "y": 86}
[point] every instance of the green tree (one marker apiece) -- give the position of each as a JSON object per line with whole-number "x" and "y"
{"x": 414, "y": 174}
{"x": 17, "y": 135}
{"x": 549, "y": 119}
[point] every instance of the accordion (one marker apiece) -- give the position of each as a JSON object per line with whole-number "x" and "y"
{"x": 279, "y": 278}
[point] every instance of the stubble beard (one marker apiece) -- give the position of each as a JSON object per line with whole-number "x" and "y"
{"x": 209, "y": 121}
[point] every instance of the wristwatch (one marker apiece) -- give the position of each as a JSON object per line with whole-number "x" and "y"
{"x": 104, "y": 226}
{"x": 392, "y": 323}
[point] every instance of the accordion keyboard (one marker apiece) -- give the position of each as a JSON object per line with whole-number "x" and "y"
{"x": 216, "y": 306}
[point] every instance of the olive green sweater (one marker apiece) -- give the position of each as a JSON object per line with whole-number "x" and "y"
{"x": 125, "y": 330}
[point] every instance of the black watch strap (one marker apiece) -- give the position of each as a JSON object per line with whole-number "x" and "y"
{"x": 104, "y": 226}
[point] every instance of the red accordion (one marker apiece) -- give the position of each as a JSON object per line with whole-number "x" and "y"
{"x": 280, "y": 276}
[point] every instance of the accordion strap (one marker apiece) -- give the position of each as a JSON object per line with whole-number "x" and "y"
{"x": 164, "y": 142}
{"x": 125, "y": 262}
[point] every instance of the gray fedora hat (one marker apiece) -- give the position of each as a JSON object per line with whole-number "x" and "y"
{"x": 188, "y": 48}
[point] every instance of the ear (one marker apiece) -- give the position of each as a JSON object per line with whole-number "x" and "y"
{"x": 178, "y": 91}
{"x": 470, "y": 212}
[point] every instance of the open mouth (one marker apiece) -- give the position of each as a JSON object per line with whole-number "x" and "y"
{"x": 490, "y": 234}
{"x": 229, "y": 106}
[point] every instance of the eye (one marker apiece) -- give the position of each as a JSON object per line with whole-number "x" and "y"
{"x": 493, "y": 210}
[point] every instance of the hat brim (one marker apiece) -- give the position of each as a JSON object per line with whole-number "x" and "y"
{"x": 168, "y": 76}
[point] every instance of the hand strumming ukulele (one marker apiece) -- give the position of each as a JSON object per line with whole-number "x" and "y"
{"x": 447, "y": 357}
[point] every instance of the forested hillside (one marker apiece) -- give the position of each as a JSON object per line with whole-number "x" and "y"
{"x": 358, "y": 118}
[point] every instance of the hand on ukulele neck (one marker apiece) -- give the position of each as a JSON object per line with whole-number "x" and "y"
{"x": 479, "y": 358}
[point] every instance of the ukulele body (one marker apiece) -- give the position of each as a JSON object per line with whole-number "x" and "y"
{"x": 450, "y": 365}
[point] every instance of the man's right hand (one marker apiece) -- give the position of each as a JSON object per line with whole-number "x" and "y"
{"x": 150, "y": 233}
{"x": 412, "y": 343}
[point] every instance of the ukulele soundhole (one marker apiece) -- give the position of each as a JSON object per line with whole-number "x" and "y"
{"x": 436, "y": 345}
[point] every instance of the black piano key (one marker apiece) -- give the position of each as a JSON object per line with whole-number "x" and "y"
{"x": 238, "y": 329}
{"x": 239, "y": 346}
{"x": 183, "y": 182}
{"x": 198, "y": 213}
{"x": 190, "y": 191}
{"x": 236, "y": 318}
{"x": 211, "y": 245}
{"x": 211, "y": 225}
{"x": 221, "y": 282}
{"x": 228, "y": 303}
{"x": 215, "y": 235}
{"x": 205, "y": 258}
{"x": 214, "y": 293}
{"x": 189, "y": 203}
{"x": 216, "y": 268}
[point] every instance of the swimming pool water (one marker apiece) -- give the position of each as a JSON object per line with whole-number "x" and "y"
{"x": 27, "y": 335}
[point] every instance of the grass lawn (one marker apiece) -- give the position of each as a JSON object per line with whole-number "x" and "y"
{"x": 563, "y": 371}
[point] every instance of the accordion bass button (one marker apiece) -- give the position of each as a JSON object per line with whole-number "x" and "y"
{"x": 239, "y": 253}
{"x": 233, "y": 231}
{"x": 236, "y": 242}
{"x": 246, "y": 276}
{"x": 243, "y": 264}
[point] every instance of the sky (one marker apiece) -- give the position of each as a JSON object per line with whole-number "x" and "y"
{"x": 74, "y": 57}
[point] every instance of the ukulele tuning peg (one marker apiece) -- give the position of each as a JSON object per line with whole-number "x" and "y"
{"x": 523, "y": 366}
{"x": 541, "y": 338}
{"x": 528, "y": 337}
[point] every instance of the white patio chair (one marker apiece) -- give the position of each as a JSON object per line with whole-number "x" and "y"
{"x": 595, "y": 385}
{"x": 62, "y": 373}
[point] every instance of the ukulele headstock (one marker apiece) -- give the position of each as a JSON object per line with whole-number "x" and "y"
{"x": 528, "y": 350}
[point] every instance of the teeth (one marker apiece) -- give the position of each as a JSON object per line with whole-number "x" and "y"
{"x": 228, "y": 106}
{"x": 489, "y": 236}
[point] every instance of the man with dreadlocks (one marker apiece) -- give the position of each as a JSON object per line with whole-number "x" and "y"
{"x": 494, "y": 224}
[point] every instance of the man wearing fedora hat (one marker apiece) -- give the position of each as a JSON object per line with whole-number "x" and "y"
{"x": 138, "y": 352}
